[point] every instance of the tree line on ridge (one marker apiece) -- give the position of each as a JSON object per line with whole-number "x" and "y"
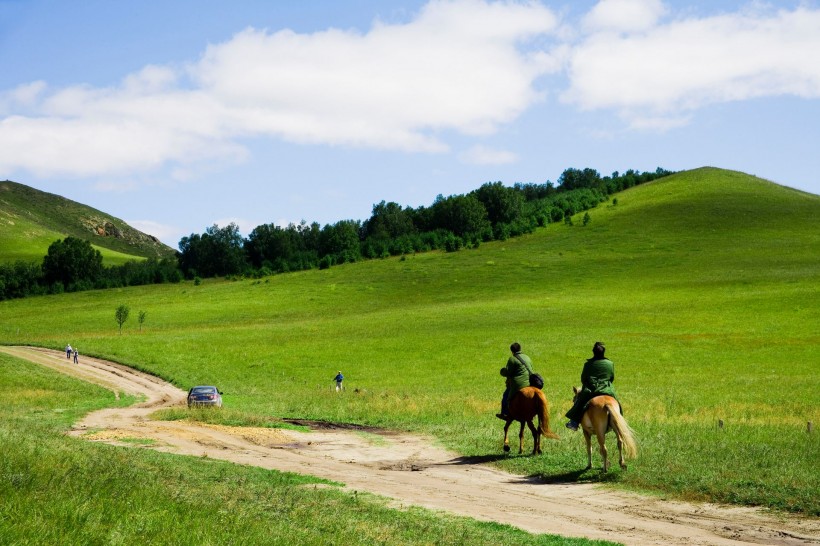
{"x": 491, "y": 212}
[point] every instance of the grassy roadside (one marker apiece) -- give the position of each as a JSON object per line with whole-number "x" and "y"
{"x": 61, "y": 490}
{"x": 703, "y": 285}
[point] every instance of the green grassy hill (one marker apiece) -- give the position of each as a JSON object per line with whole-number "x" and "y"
{"x": 703, "y": 285}
{"x": 30, "y": 220}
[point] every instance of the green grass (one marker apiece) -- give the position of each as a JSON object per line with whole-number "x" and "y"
{"x": 703, "y": 286}
{"x": 24, "y": 241}
{"x": 30, "y": 220}
{"x": 60, "y": 490}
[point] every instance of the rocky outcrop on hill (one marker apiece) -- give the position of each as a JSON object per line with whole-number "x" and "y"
{"x": 104, "y": 227}
{"x": 54, "y": 214}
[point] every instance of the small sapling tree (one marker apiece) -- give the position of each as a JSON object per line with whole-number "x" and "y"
{"x": 121, "y": 315}
{"x": 141, "y": 319}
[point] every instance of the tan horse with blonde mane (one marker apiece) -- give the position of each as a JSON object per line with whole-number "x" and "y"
{"x": 602, "y": 414}
{"x": 528, "y": 403}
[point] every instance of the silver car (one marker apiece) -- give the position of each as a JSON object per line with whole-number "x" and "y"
{"x": 204, "y": 395}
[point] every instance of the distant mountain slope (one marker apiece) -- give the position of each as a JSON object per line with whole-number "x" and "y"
{"x": 716, "y": 205}
{"x": 30, "y": 220}
{"x": 703, "y": 225}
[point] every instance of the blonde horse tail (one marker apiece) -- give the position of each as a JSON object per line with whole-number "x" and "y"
{"x": 544, "y": 415}
{"x": 623, "y": 430}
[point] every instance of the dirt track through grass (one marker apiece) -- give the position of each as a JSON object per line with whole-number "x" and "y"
{"x": 413, "y": 471}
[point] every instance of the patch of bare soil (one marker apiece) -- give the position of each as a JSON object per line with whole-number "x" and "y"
{"x": 413, "y": 470}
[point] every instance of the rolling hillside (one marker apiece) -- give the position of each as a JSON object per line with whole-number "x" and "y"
{"x": 703, "y": 285}
{"x": 30, "y": 220}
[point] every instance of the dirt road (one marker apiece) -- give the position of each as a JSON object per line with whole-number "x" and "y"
{"x": 413, "y": 471}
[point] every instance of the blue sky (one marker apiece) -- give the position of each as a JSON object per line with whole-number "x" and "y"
{"x": 174, "y": 115}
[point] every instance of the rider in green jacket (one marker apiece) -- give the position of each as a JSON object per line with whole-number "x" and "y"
{"x": 596, "y": 379}
{"x": 517, "y": 371}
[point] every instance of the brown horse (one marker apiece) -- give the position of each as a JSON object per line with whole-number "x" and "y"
{"x": 528, "y": 403}
{"x": 602, "y": 414}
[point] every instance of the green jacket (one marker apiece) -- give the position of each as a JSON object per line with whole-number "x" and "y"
{"x": 517, "y": 374}
{"x": 597, "y": 377}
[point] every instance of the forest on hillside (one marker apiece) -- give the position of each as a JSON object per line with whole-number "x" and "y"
{"x": 491, "y": 212}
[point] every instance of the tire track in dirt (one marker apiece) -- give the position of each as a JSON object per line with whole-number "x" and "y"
{"x": 412, "y": 470}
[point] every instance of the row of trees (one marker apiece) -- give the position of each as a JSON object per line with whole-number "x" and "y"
{"x": 72, "y": 264}
{"x": 491, "y": 212}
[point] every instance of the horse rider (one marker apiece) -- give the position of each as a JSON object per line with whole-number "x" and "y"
{"x": 596, "y": 379}
{"x": 517, "y": 371}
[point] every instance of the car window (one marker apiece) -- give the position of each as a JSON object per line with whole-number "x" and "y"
{"x": 203, "y": 390}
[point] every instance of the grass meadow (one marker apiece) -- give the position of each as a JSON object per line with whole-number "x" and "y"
{"x": 26, "y": 241}
{"x": 703, "y": 285}
{"x": 30, "y": 220}
{"x": 61, "y": 490}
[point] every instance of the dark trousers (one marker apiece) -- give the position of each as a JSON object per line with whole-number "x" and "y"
{"x": 505, "y": 400}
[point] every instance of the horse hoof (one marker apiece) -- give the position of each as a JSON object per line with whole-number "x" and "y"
{"x": 506, "y": 449}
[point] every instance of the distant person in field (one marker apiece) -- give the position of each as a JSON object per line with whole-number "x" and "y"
{"x": 596, "y": 379}
{"x": 338, "y": 379}
{"x": 517, "y": 371}
{"x": 68, "y": 351}
{"x": 76, "y": 356}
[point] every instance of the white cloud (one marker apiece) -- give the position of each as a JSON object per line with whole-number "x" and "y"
{"x": 460, "y": 65}
{"x": 683, "y": 65}
{"x": 624, "y": 15}
{"x": 48, "y": 146}
{"x": 482, "y": 155}
{"x": 23, "y": 96}
{"x": 456, "y": 66}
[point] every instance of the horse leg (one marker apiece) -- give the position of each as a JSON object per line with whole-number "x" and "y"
{"x": 588, "y": 438}
{"x": 601, "y": 434}
{"x": 506, "y": 438}
{"x": 521, "y": 439}
{"x": 536, "y": 438}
